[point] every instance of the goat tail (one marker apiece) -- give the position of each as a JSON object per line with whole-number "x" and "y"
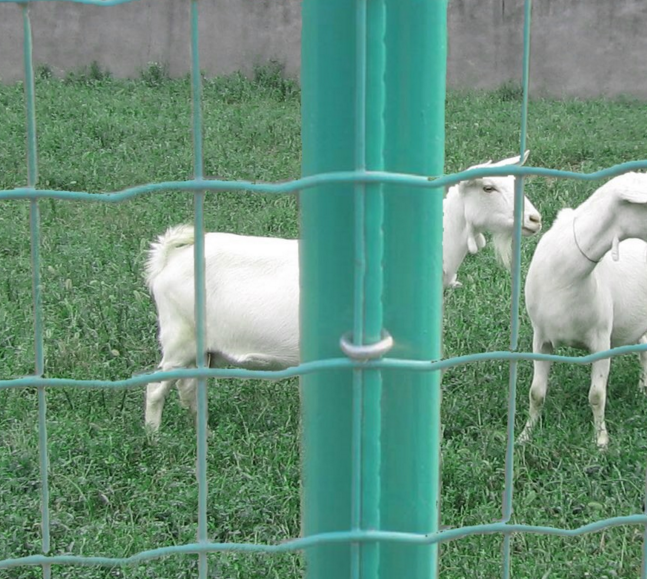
{"x": 160, "y": 250}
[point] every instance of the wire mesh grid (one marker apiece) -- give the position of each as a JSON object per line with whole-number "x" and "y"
{"x": 362, "y": 370}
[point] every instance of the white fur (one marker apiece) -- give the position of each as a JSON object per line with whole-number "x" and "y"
{"x": 252, "y": 285}
{"x": 482, "y": 205}
{"x": 252, "y": 303}
{"x": 578, "y": 295}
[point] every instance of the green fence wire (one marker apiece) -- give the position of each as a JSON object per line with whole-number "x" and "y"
{"x": 362, "y": 178}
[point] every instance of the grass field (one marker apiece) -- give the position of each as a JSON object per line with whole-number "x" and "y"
{"x": 114, "y": 494}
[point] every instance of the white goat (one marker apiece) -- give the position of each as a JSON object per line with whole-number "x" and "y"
{"x": 482, "y": 205}
{"x": 252, "y": 285}
{"x": 578, "y": 295}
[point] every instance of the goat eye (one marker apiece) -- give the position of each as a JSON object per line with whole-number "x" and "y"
{"x": 488, "y": 188}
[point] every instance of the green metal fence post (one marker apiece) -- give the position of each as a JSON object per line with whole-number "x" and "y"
{"x": 414, "y": 117}
{"x": 326, "y": 253}
{"x": 342, "y": 449}
{"x": 414, "y": 44}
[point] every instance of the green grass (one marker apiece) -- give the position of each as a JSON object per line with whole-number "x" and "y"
{"x": 113, "y": 494}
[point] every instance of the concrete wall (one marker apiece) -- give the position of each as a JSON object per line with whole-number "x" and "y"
{"x": 579, "y": 47}
{"x": 234, "y": 35}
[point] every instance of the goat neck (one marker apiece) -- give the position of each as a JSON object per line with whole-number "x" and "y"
{"x": 595, "y": 227}
{"x": 455, "y": 234}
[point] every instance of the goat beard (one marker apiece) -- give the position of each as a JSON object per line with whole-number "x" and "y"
{"x": 503, "y": 249}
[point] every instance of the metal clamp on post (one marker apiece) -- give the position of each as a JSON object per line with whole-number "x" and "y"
{"x": 365, "y": 352}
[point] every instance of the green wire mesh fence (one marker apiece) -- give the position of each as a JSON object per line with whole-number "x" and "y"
{"x": 366, "y": 181}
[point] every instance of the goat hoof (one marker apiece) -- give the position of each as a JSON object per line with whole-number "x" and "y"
{"x": 523, "y": 438}
{"x": 152, "y": 434}
{"x": 602, "y": 440}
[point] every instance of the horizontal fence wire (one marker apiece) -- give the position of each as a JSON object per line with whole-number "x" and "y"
{"x": 311, "y": 541}
{"x": 332, "y": 178}
{"x": 317, "y": 366}
{"x": 200, "y": 185}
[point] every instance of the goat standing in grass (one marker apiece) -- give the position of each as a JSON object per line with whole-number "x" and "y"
{"x": 580, "y": 294}
{"x": 252, "y": 285}
{"x": 477, "y": 206}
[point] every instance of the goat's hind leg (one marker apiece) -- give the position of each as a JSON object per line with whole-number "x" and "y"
{"x": 539, "y": 387}
{"x": 156, "y": 393}
{"x": 176, "y": 353}
{"x": 187, "y": 389}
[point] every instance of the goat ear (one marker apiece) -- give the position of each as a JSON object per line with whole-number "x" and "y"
{"x": 464, "y": 186}
{"x": 512, "y": 160}
{"x": 486, "y": 164}
{"x": 633, "y": 195}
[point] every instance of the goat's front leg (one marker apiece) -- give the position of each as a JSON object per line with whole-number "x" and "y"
{"x": 642, "y": 385}
{"x": 539, "y": 387}
{"x": 454, "y": 283}
{"x": 598, "y": 399}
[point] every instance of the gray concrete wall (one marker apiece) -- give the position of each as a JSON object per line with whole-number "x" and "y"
{"x": 579, "y": 47}
{"x": 234, "y": 35}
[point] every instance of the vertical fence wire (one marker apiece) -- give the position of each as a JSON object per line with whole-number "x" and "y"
{"x": 516, "y": 297}
{"x": 200, "y": 298}
{"x": 30, "y": 99}
{"x": 34, "y": 227}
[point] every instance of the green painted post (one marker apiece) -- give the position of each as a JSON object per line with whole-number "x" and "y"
{"x": 414, "y": 143}
{"x": 326, "y": 253}
{"x": 352, "y": 478}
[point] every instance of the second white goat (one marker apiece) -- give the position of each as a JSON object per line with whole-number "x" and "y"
{"x": 580, "y": 294}
{"x": 252, "y": 285}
